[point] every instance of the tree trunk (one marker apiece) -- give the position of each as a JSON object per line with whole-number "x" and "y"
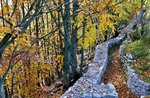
{"x": 74, "y": 38}
{"x": 2, "y": 90}
{"x": 66, "y": 23}
{"x": 98, "y": 30}
{"x": 37, "y": 30}
{"x": 82, "y": 50}
{"x": 2, "y": 12}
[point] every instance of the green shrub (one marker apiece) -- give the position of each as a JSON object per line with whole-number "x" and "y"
{"x": 134, "y": 35}
{"x": 140, "y": 49}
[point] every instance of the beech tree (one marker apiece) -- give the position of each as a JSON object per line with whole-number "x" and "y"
{"x": 46, "y": 40}
{"x": 15, "y": 31}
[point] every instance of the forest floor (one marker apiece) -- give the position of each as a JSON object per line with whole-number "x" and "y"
{"x": 115, "y": 75}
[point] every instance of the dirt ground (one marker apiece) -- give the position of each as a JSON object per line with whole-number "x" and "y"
{"x": 114, "y": 74}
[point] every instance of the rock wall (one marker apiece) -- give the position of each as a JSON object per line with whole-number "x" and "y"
{"x": 88, "y": 86}
{"x": 137, "y": 86}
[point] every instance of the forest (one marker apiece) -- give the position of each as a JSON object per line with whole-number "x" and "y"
{"x": 47, "y": 45}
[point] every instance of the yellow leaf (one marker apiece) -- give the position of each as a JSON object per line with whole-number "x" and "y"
{"x": 7, "y": 30}
{"x": 1, "y": 28}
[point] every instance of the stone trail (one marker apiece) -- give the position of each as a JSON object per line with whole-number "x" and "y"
{"x": 115, "y": 74}
{"x": 89, "y": 86}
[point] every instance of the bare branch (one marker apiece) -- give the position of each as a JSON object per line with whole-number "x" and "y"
{"x": 1, "y": 17}
{"x": 15, "y": 6}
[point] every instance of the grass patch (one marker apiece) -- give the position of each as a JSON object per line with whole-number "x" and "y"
{"x": 140, "y": 49}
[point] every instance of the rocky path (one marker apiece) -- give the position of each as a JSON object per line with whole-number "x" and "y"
{"x": 114, "y": 74}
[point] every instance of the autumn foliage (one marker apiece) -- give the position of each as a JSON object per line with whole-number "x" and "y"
{"x": 33, "y": 58}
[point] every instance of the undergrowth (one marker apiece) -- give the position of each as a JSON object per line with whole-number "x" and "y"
{"x": 140, "y": 49}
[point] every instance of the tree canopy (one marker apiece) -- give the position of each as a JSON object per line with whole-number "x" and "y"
{"x": 43, "y": 41}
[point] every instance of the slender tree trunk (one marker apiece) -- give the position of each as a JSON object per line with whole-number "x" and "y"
{"x": 7, "y": 8}
{"x": 12, "y": 87}
{"x": 43, "y": 22}
{"x": 98, "y": 30}
{"x": 37, "y": 30}
{"x": 23, "y": 11}
{"x": 47, "y": 21}
{"x": 82, "y": 50}
{"x": 2, "y": 12}
{"x": 2, "y": 90}
{"x": 74, "y": 38}
{"x": 66, "y": 23}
